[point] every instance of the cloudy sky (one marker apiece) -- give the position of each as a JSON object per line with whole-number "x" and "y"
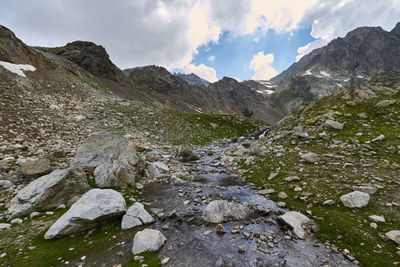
{"x": 244, "y": 39}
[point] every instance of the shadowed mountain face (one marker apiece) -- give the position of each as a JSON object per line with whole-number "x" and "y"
{"x": 361, "y": 55}
{"x": 192, "y": 79}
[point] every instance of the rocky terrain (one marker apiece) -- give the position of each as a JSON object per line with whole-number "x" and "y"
{"x": 92, "y": 174}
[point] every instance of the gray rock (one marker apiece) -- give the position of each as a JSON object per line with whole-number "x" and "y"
{"x": 6, "y": 184}
{"x": 292, "y": 178}
{"x": 385, "y": 103}
{"x": 217, "y": 210}
{"x": 393, "y": 235}
{"x": 369, "y": 189}
{"x": 187, "y": 155}
{"x": 93, "y": 208}
{"x": 297, "y": 221}
{"x": 32, "y": 168}
{"x": 5, "y": 226}
{"x": 156, "y": 170}
{"x": 355, "y": 199}
{"x": 48, "y": 191}
{"x": 153, "y": 156}
{"x": 136, "y": 215}
{"x": 334, "y": 124}
{"x": 147, "y": 240}
{"x": 113, "y": 161}
{"x": 376, "y": 218}
{"x": 310, "y": 157}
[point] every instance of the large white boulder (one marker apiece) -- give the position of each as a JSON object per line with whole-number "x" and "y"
{"x": 111, "y": 159}
{"x": 355, "y": 199}
{"x": 94, "y": 207}
{"x": 48, "y": 191}
{"x": 217, "y": 210}
{"x": 297, "y": 221}
{"x": 136, "y": 215}
{"x": 156, "y": 170}
{"x": 147, "y": 240}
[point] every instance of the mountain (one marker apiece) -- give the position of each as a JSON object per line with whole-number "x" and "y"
{"x": 192, "y": 79}
{"x": 363, "y": 53}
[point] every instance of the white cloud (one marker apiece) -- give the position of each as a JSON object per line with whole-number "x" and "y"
{"x": 203, "y": 71}
{"x": 261, "y": 65}
{"x": 332, "y": 18}
{"x": 211, "y": 58}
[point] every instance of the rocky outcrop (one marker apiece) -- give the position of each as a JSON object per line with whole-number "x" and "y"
{"x": 147, "y": 240}
{"x": 48, "y": 191}
{"x": 156, "y": 170}
{"x": 93, "y": 208}
{"x": 111, "y": 159}
{"x": 136, "y": 215}
{"x": 192, "y": 79}
{"x": 218, "y": 210}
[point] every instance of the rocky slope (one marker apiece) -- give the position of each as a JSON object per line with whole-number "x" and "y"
{"x": 192, "y": 79}
{"x": 363, "y": 53}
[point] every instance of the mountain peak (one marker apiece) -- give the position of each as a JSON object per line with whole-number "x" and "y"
{"x": 396, "y": 30}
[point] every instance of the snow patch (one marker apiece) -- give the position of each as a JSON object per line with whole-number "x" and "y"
{"x": 324, "y": 73}
{"x": 308, "y": 72}
{"x": 17, "y": 68}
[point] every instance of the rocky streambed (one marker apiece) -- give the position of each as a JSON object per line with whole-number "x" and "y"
{"x": 212, "y": 218}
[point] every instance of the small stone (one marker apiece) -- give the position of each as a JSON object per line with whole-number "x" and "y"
{"x": 273, "y": 175}
{"x": 220, "y": 229}
{"x": 5, "y": 226}
{"x": 355, "y": 199}
{"x": 310, "y": 157}
{"x": 62, "y": 206}
{"x": 139, "y": 186}
{"x": 297, "y": 189}
{"x": 49, "y": 213}
{"x": 165, "y": 260}
{"x": 138, "y": 258}
{"x": 34, "y": 214}
{"x": 376, "y": 218}
{"x": 16, "y": 221}
{"x": 292, "y": 178}
{"x": 379, "y": 138}
{"x": 266, "y": 191}
{"x": 329, "y": 202}
{"x": 281, "y": 204}
{"x": 241, "y": 249}
{"x": 334, "y": 124}
{"x": 3, "y": 255}
{"x": 373, "y": 225}
{"x": 186, "y": 202}
{"x": 282, "y": 195}
{"x": 385, "y": 103}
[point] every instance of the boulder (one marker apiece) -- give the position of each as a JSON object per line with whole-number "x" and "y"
{"x": 217, "y": 210}
{"x": 147, "y": 240}
{"x": 111, "y": 159}
{"x": 48, "y": 191}
{"x": 334, "y": 124}
{"x": 297, "y": 221}
{"x": 355, "y": 199}
{"x": 92, "y": 209}
{"x": 394, "y": 235}
{"x": 187, "y": 155}
{"x": 310, "y": 157}
{"x": 136, "y": 215}
{"x": 156, "y": 170}
{"x": 33, "y": 168}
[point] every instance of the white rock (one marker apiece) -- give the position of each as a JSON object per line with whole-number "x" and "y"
{"x": 156, "y": 169}
{"x": 165, "y": 260}
{"x": 376, "y": 218}
{"x": 297, "y": 221}
{"x": 147, "y": 240}
{"x": 379, "y": 138}
{"x": 217, "y": 210}
{"x": 310, "y": 157}
{"x": 5, "y": 226}
{"x": 334, "y": 124}
{"x": 61, "y": 206}
{"x": 136, "y": 215}
{"x": 16, "y": 221}
{"x": 34, "y": 214}
{"x": 394, "y": 235}
{"x": 48, "y": 191}
{"x": 355, "y": 199}
{"x": 92, "y": 208}
{"x": 79, "y": 118}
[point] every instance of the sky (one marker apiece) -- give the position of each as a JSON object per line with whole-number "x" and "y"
{"x": 243, "y": 39}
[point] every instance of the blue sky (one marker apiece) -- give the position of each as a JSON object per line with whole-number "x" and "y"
{"x": 232, "y": 54}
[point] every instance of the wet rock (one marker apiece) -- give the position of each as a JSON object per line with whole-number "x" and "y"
{"x": 187, "y": 155}
{"x": 94, "y": 207}
{"x": 334, "y": 124}
{"x": 220, "y": 229}
{"x": 217, "y": 210}
{"x": 376, "y": 218}
{"x": 156, "y": 170}
{"x": 310, "y": 157}
{"x": 48, "y": 191}
{"x": 113, "y": 161}
{"x": 393, "y": 235}
{"x": 147, "y": 240}
{"x": 33, "y": 168}
{"x": 136, "y": 215}
{"x": 355, "y": 199}
{"x": 296, "y": 221}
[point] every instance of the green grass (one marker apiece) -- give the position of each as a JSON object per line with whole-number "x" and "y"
{"x": 150, "y": 258}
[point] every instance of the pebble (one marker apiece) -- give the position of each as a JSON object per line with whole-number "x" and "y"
{"x": 282, "y": 195}
{"x": 241, "y": 249}
{"x": 220, "y": 229}
{"x": 186, "y": 202}
{"x": 165, "y": 260}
